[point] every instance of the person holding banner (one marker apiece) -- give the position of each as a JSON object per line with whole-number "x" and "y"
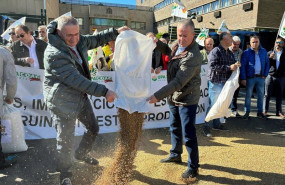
{"x": 237, "y": 54}
{"x": 183, "y": 92}
{"x": 13, "y": 37}
{"x": 221, "y": 64}
{"x": 8, "y": 77}
{"x": 275, "y": 78}
{"x": 208, "y": 46}
{"x": 28, "y": 51}
{"x": 67, "y": 83}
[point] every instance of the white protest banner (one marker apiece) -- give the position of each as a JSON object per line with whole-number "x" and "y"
{"x": 179, "y": 10}
{"x": 6, "y": 35}
{"x": 281, "y": 30}
{"x": 39, "y": 125}
{"x": 202, "y": 36}
{"x": 223, "y": 28}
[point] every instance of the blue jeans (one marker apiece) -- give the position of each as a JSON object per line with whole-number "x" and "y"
{"x": 258, "y": 83}
{"x": 182, "y": 122}
{"x": 214, "y": 92}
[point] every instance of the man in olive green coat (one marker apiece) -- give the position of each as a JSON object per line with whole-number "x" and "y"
{"x": 183, "y": 92}
{"x": 67, "y": 83}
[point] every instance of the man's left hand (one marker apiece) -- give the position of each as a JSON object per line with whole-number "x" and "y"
{"x": 152, "y": 99}
{"x": 123, "y": 28}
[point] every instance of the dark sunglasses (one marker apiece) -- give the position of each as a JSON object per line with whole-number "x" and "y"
{"x": 21, "y": 35}
{"x": 279, "y": 42}
{"x": 12, "y": 33}
{"x": 41, "y": 31}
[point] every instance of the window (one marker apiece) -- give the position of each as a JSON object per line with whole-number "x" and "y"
{"x": 141, "y": 1}
{"x": 109, "y": 11}
{"x": 207, "y": 8}
{"x": 80, "y": 21}
{"x": 108, "y": 22}
{"x": 225, "y": 3}
{"x": 215, "y": 5}
{"x": 236, "y": 2}
{"x": 199, "y": 10}
{"x": 139, "y": 25}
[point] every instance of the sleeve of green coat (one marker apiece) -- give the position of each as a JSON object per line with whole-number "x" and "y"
{"x": 65, "y": 71}
{"x": 189, "y": 67}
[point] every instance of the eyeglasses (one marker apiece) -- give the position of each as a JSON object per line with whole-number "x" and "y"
{"x": 279, "y": 42}
{"x": 21, "y": 35}
{"x": 12, "y": 33}
{"x": 41, "y": 31}
{"x": 255, "y": 42}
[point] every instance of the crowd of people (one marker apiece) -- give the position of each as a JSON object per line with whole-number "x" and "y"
{"x": 61, "y": 51}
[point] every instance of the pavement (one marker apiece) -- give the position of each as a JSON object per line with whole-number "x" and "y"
{"x": 264, "y": 140}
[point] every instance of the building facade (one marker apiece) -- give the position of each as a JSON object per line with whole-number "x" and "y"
{"x": 90, "y": 15}
{"x": 250, "y": 15}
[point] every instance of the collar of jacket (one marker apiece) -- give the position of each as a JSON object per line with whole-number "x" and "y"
{"x": 183, "y": 53}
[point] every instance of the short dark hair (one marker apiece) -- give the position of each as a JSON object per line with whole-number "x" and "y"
{"x": 254, "y": 36}
{"x": 222, "y": 36}
{"x": 23, "y": 27}
{"x": 165, "y": 35}
{"x": 280, "y": 38}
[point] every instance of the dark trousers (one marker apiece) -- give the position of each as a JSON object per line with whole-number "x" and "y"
{"x": 65, "y": 127}
{"x": 182, "y": 122}
{"x": 278, "y": 84}
{"x": 234, "y": 100}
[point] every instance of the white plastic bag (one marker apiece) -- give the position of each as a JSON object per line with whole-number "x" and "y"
{"x": 221, "y": 107}
{"x": 132, "y": 60}
{"x": 13, "y": 140}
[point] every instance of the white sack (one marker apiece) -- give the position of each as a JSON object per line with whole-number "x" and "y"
{"x": 132, "y": 59}
{"x": 13, "y": 139}
{"x": 221, "y": 107}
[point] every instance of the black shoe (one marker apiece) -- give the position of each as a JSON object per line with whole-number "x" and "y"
{"x": 221, "y": 127}
{"x": 86, "y": 158}
{"x": 246, "y": 116}
{"x": 66, "y": 181}
{"x": 172, "y": 160}
{"x": 189, "y": 173}
{"x": 261, "y": 116}
{"x": 9, "y": 161}
{"x": 207, "y": 132}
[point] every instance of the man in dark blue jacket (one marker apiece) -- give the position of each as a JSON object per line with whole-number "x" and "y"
{"x": 254, "y": 69}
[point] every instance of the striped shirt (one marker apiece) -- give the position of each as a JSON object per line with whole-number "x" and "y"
{"x": 220, "y": 61}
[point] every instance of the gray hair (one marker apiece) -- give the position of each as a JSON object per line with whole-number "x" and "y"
{"x": 187, "y": 22}
{"x": 66, "y": 21}
{"x": 236, "y": 39}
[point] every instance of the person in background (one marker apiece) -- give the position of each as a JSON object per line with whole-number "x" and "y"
{"x": 276, "y": 78}
{"x": 28, "y": 51}
{"x": 221, "y": 63}
{"x": 166, "y": 36}
{"x": 157, "y": 61}
{"x": 237, "y": 54}
{"x": 208, "y": 46}
{"x": 254, "y": 69}
{"x": 108, "y": 51}
{"x": 165, "y": 58}
{"x": 13, "y": 37}
{"x": 42, "y": 30}
{"x": 8, "y": 78}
